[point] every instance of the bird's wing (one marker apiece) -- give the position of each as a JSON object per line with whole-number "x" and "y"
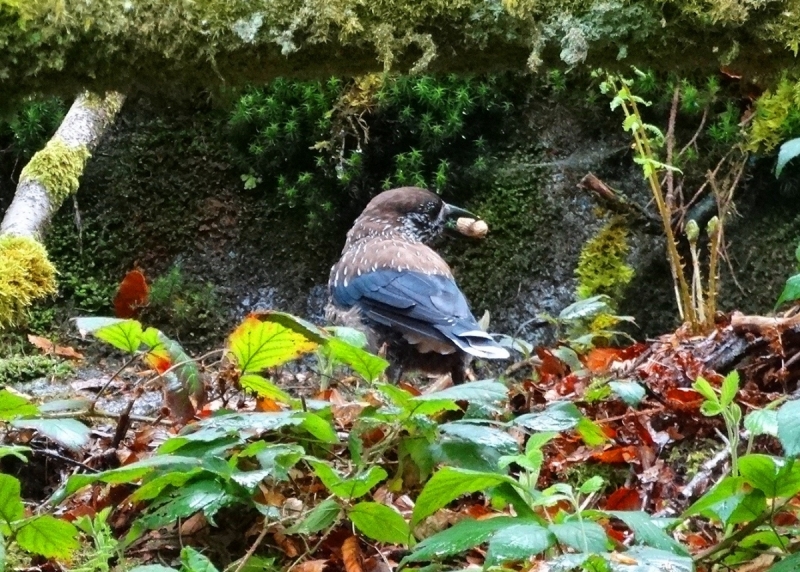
{"x": 420, "y": 306}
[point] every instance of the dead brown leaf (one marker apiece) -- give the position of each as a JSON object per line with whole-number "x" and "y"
{"x": 351, "y": 555}
{"x": 311, "y": 566}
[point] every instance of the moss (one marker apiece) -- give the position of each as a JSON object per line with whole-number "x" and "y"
{"x": 26, "y": 275}
{"x": 58, "y": 167}
{"x": 21, "y": 368}
{"x": 602, "y": 267}
{"x": 777, "y": 117}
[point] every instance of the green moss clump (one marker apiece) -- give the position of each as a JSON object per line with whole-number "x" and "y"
{"x": 58, "y": 167}
{"x": 602, "y": 267}
{"x": 21, "y": 368}
{"x": 26, "y": 274}
{"x": 777, "y": 117}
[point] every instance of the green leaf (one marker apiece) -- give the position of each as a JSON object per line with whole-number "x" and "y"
{"x": 591, "y": 433}
{"x": 727, "y": 487}
{"x": 155, "y": 486}
{"x": 475, "y": 446}
{"x": 486, "y": 392}
{"x": 789, "y": 427}
{"x": 69, "y": 433}
{"x": 558, "y": 416}
{"x": 788, "y": 564}
{"x": 704, "y": 388}
{"x": 152, "y": 568}
{"x": 125, "y": 335}
{"x": 647, "y": 532}
{"x": 318, "y": 427}
{"x": 365, "y": 364}
{"x": 11, "y": 507}
{"x": 48, "y": 536}
{"x": 791, "y": 291}
{"x": 518, "y": 542}
{"x": 15, "y": 450}
{"x": 586, "y": 536}
{"x": 380, "y": 522}
{"x": 776, "y": 477}
{"x": 788, "y": 151}
{"x": 128, "y": 474}
{"x": 630, "y": 392}
{"x": 351, "y": 488}
{"x": 193, "y": 561}
{"x": 13, "y": 406}
{"x": 762, "y": 422}
{"x": 207, "y": 495}
{"x": 592, "y": 485}
{"x": 730, "y": 385}
{"x": 710, "y": 408}
{"x": 352, "y": 336}
{"x": 464, "y": 535}
{"x": 653, "y": 560}
{"x": 264, "y": 388}
{"x": 279, "y": 459}
{"x": 257, "y": 345}
{"x": 319, "y": 518}
{"x": 450, "y": 483}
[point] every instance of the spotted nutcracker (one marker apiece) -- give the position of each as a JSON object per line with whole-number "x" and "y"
{"x": 392, "y": 286}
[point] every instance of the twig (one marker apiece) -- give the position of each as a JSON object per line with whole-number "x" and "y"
{"x": 134, "y": 357}
{"x": 591, "y": 182}
{"x": 107, "y": 415}
{"x": 758, "y": 323}
{"x": 670, "y": 137}
{"x": 55, "y": 455}
{"x": 253, "y": 547}
{"x": 697, "y": 133}
{"x": 532, "y": 362}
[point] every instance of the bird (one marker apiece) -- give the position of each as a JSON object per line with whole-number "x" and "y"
{"x": 391, "y": 285}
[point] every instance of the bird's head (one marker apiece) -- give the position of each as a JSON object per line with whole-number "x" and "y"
{"x": 418, "y": 214}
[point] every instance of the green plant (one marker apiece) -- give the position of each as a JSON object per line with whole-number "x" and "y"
{"x": 724, "y": 405}
{"x": 19, "y": 368}
{"x": 791, "y": 290}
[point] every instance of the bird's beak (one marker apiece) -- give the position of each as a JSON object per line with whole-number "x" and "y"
{"x": 453, "y": 213}
{"x": 451, "y": 216}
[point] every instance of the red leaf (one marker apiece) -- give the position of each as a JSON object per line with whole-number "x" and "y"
{"x": 616, "y": 455}
{"x": 131, "y": 296}
{"x": 624, "y": 499}
{"x": 598, "y": 359}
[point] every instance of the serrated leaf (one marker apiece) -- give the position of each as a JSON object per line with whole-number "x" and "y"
{"x": 193, "y": 561}
{"x": 630, "y": 392}
{"x": 777, "y": 477}
{"x": 486, "y": 391}
{"x": 789, "y": 428}
{"x": 586, "y": 536}
{"x": 365, "y": 364}
{"x": 730, "y": 386}
{"x": 264, "y": 388}
{"x": 474, "y": 446}
{"x": 762, "y": 422}
{"x": 380, "y": 522}
{"x": 518, "y": 542}
{"x": 125, "y": 335}
{"x": 791, "y": 291}
{"x": 49, "y": 537}
{"x": 585, "y": 308}
{"x": 351, "y": 488}
{"x": 257, "y": 345}
{"x": 279, "y": 459}
{"x": 704, "y": 388}
{"x": 450, "y": 483}
{"x": 319, "y": 518}
{"x": 710, "y": 408}
{"x": 127, "y": 474}
{"x": 646, "y": 531}
{"x": 69, "y": 433}
{"x": 11, "y": 507}
{"x": 558, "y": 416}
{"x": 207, "y": 495}
{"x": 13, "y": 406}
{"x": 464, "y": 535}
{"x": 788, "y": 151}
